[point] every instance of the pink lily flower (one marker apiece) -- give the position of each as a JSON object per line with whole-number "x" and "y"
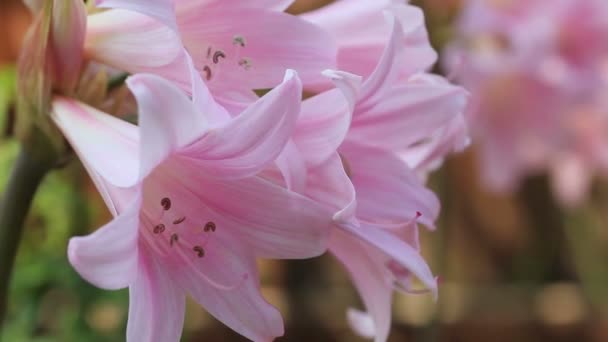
{"x": 360, "y": 28}
{"x": 237, "y": 46}
{"x": 537, "y": 71}
{"x": 396, "y": 126}
{"x": 191, "y": 212}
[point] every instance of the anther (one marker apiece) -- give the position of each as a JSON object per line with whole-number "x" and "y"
{"x": 238, "y": 40}
{"x": 209, "y": 52}
{"x": 209, "y": 226}
{"x": 207, "y": 71}
{"x": 245, "y": 63}
{"x": 180, "y": 220}
{"x": 159, "y": 228}
{"x": 166, "y": 203}
{"x": 174, "y": 239}
{"x": 217, "y": 55}
{"x": 200, "y": 252}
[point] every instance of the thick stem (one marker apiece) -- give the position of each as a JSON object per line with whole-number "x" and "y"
{"x": 25, "y": 178}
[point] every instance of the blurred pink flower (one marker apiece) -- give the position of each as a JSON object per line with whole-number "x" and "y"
{"x": 398, "y": 126}
{"x": 537, "y": 71}
{"x": 190, "y": 213}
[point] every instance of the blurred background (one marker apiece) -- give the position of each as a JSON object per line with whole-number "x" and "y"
{"x": 512, "y": 268}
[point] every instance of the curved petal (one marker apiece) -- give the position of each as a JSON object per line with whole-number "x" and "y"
{"x": 240, "y": 305}
{"x": 156, "y": 304}
{"x": 407, "y": 114}
{"x": 400, "y": 252}
{"x": 105, "y": 143}
{"x": 388, "y": 191}
{"x": 168, "y": 119}
{"x": 360, "y": 29}
{"x": 108, "y": 257}
{"x": 367, "y": 270}
{"x": 326, "y": 118}
{"x": 131, "y": 41}
{"x": 246, "y": 144}
{"x": 273, "y": 221}
{"x": 292, "y": 168}
{"x": 243, "y": 49}
{"x": 275, "y": 5}
{"x": 160, "y": 9}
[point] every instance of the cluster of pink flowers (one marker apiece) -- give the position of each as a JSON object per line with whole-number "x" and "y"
{"x": 214, "y": 176}
{"x": 538, "y": 72}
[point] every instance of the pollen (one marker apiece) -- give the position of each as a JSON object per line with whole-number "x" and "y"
{"x": 208, "y": 73}
{"x": 179, "y": 220}
{"x": 245, "y": 63}
{"x": 217, "y": 55}
{"x": 174, "y": 239}
{"x": 159, "y": 228}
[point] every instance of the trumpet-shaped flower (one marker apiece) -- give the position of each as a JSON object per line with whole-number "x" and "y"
{"x": 191, "y": 214}
{"x": 397, "y": 127}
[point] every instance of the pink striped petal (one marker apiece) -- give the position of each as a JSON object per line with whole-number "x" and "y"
{"x": 246, "y": 144}
{"x": 156, "y": 304}
{"x": 162, "y": 10}
{"x": 67, "y": 41}
{"x": 105, "y": 143}
{"x": 108, "y": 257}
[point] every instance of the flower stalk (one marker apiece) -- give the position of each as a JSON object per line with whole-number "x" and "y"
{"x": 27, "y": 174}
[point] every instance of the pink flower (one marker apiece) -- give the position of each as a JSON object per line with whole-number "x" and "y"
{"x": 536, "y": 70}
{"x": 360, "y": 28}
{"x": 191, "y": 214}
{"x": 236, "y": 45}
{"x": 396, "y": 126}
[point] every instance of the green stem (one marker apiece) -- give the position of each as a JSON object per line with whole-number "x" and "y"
{"x": 26, "y": 176}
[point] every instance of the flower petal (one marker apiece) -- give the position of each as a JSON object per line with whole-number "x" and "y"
{"x": 168, "y": 119}
{"x": 273, "y": 221}
{"x": 360, "y": 29}
{"x": 108, "y": 257}
{"x": 325, "y": 119}
{"x": 160, "y": 9}
{"x": 276, "y": 5}
{"x": 131, "y": 41}
{"x": 107, "y": 144}
{"x": 252, "y": 140}
{"x": 241, "y": 307}
{"x": 406, "y": 115}
{"x": 156, "y": 304}
{"x": 388, "y": 191}
{"x": 255, "y": 54}
{"x": 399, "y": 251}
{"x": 367, "y": 270}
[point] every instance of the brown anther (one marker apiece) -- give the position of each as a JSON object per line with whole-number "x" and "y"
{"x": 207, "y": 71}
{"x": 174, "y": 239}
{"x": 209, "y": 226}
{"x": 180, "y": 220}
{"x": 238, "y": 40}
{"x": 200, "y": 252}
{"x": 245, "y": 63}
{"x": 217, "y": 55}
{"x": 159, "y": 228}
{"x": 209, "y": 52}
{"x": 165, "y": 203}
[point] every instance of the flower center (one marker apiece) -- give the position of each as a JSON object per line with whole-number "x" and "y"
{"x": 215, "y": 58}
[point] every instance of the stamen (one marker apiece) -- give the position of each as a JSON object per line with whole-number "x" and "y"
{"x": 159, "y": 228}
{"x": 209, "y": 52}
{"x": 174, "y": 239}
{"x": 217, "y": 55}
{"x": 166, "y": 203}
{"x": 209, "y": 226}
{"x": 207, "y": 71}
{"x": 180, "y": 220}
{"x": 200, "y": 252}
{"x": 238, "y": 40}
{"x": 245, "y": 63}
